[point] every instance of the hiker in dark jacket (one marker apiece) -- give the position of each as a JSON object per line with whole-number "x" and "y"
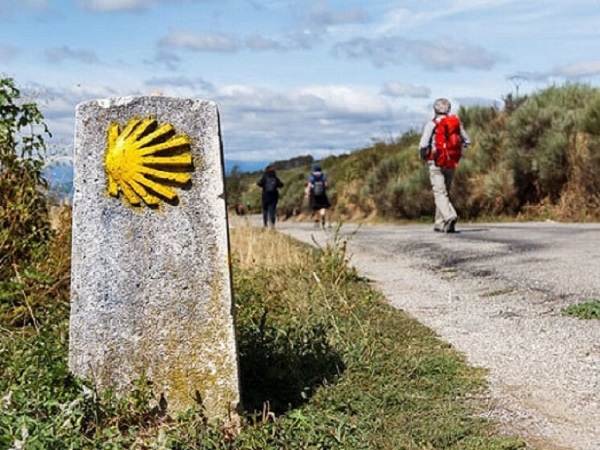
{"x": 270, "y": 185}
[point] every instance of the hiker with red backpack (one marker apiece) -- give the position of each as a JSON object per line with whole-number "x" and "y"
{"x": 441, "y": 146}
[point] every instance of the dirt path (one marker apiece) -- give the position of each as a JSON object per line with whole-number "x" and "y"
{"x": 495, "y": 292}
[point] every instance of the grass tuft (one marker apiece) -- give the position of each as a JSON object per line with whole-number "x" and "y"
{"x": 587, "y": 310}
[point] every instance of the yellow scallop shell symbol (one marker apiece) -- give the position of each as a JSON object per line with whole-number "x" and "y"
{"x": 146, "y": 161}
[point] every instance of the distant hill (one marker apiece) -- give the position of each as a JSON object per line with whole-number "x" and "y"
{"x": 244, "y": 166}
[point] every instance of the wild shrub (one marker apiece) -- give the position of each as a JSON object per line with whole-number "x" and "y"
{"x": 498, "y": 193}
{"x": 478, "y": 117}
{"x": 590, "y": 122}
{"x": 586, "y": 158}
{"x": 378, "y": 181}
{"x": 234, "y": 187}
{"x": 542, "y": 135}
{"x": 292, "y": 201}
{"x": 397, "y": 184}
{"x": 487, "y": 150}
{"x": 24, "y": 225}
{"x": 33, "y": 270}
{"x": 411, "y": 198}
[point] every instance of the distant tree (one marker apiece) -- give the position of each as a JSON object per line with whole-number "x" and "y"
{"x": 24, "y": 221}
{"x": 298, "y": 161}
{"x": 234, "y": 187}
{"x": 511, "y": 103}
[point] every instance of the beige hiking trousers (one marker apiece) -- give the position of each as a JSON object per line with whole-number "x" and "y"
{"x": 441, "y": 180}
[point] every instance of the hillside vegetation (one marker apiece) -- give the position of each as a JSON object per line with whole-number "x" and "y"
{"x": 538, "y": 158}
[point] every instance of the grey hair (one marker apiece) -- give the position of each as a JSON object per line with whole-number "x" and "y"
{"x": 442, "y": 106}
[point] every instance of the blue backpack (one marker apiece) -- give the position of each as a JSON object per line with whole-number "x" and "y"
{"x": 318, "y": 185}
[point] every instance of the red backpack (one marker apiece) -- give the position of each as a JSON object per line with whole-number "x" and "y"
{"x": 447, "y": 142}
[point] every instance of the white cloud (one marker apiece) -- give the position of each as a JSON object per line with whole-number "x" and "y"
{"x": 476, "y": 101}
{"x": 396, "y": 89}
{"x": 321, "y": 14}
{"x": 166, "y": 58}
{"x": 447, "y": 54}
{"x": 305, "y": 39}
{"x": 426, "y": 14}
{"x": 253, "y": 100}
{"x": 262, "y": 124}
{"x": 257, "y": 42}
{"x": 210, "y": 42}
{"x": 571, "y": 71}
{"x": 180, "y": 81}
{"x": 319, "y": 21}
{"x": 345, "y": 100}
{"x": 60, "y": 54}
{"x": 579, "y": 69}
{"x": 61, "y": 102}
{"x": 117, "y": 5}
{"x": 443, "y": 54}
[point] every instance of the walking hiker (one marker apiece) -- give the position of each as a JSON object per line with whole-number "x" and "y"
{"x": 316, "y": 192}
{"x": 270, "y": 185}
{"x": 441, "y": 146}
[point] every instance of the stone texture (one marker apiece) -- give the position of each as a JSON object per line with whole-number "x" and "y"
{"x": 151, "y": 288}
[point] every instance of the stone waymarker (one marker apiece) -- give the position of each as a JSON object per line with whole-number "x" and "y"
{"x": 150, "y": 284}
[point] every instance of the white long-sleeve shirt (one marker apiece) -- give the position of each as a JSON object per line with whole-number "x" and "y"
{"x": 429, "y": 128}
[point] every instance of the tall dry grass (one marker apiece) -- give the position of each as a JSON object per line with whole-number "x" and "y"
{"x": 254, "y": 247}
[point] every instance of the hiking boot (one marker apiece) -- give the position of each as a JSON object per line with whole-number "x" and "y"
{"x": 450, "y": 226}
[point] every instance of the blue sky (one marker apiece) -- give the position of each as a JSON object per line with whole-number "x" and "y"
{"x": 295, "y": 77}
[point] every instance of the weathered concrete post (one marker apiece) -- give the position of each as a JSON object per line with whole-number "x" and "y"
{"x": 150, "y": 284}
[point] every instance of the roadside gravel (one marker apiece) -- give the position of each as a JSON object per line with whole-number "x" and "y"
{"x": 495, "y": 292}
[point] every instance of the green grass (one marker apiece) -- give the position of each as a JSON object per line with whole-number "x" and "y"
{"x": 325, "y": 363}
{"x": 587, "y": 310}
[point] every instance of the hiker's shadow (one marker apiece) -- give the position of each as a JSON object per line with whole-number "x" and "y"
{"x": 471, "y": 230}
{"x": 283, "y": 368}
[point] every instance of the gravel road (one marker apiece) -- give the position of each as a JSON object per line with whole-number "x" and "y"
{"x": 495, "y": 292}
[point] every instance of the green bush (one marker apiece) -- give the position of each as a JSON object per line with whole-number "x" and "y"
{"x": 541, "y": 134}
{"x": 591, "y": 117}
{"x": 24, "y": 225}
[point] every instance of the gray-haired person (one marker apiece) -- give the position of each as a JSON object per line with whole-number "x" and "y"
{"x": 441, "y": 146}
